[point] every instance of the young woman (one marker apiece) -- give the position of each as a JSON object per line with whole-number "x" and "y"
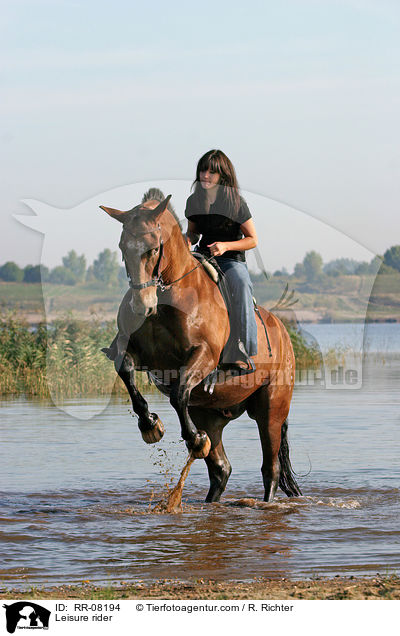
{"x": 218, "y": 213}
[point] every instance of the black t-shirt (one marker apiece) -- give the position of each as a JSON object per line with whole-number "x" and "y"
{"x": 221, "y": 223}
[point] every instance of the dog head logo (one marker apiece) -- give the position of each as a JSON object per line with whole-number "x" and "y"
{"x": 25, "y": 615}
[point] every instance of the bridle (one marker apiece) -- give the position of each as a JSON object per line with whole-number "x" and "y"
{"x": 157, "y": 279}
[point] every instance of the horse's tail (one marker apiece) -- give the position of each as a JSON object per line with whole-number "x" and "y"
{"x": 287, "y": 482}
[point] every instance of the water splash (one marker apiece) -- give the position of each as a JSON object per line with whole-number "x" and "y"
{"x": 174, "y": 501}
{"x": 295, "y": 502}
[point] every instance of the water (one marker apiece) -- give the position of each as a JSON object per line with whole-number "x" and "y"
{"x": 77, "y": 497}
{"x": 359, "y": 337}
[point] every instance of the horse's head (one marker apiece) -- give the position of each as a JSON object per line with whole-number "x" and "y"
{"x": 141, "y": 245}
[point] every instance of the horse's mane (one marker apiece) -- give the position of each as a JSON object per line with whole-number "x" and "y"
{"x": 155, "y": 194}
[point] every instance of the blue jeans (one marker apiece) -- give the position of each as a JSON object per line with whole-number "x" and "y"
{"x": 242, "y": 318}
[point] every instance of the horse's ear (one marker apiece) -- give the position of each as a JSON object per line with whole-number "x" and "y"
{"x": 158, "y": 211}
{"x": 116, "y": 214}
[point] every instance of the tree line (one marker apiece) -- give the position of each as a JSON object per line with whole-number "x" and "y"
{"x": 313, "y": 269}
{"x": 106, "y": 269}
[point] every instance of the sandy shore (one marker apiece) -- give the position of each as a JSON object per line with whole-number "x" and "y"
{"x": 338, "y": 588}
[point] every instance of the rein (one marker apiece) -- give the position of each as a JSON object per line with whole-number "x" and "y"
{"x": 157, "y": 280}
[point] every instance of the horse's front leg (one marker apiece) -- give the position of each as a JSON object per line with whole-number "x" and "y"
{"x": 150, "y": 425}
{"x": 197, "y": 368}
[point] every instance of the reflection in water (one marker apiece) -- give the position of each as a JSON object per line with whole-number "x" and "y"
{"x": 78, "y": 498}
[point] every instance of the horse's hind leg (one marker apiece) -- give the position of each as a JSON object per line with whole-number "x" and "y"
{"x": 269, "y": 421}
{"x": 219, "y": 468}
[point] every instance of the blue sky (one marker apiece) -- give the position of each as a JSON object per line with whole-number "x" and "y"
{"x": 302, "y": 95}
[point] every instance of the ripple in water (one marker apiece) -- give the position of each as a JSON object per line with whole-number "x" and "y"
{"x": 90, "y": 514}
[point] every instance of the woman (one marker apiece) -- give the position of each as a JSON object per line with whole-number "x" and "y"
{"x": 218, "y": 213}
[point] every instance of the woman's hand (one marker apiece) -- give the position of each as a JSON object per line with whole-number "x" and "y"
{"x": 218, "y": 248}
{"x": 246, "y": 243}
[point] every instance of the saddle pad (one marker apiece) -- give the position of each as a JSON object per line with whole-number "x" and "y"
{"x": 209, "y": 267}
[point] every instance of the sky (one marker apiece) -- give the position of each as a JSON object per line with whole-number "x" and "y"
{"x": 302, "y": 95}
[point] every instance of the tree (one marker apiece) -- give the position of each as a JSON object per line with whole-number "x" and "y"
{"x": 34, "y": 273}
{"x": 105, "y": 267}
{"x": 11, "y": 272}
{"x": 45, "y": 273}
{"x": 386, "y": 269}
{"x": 375, "y": 265}
{"x": 90, "y": 277}
{"x": 362, "y": 268}
{"x": 391, "y": 257}
{"x": 312, "y": 265}
{"x": 341, "y": 266}
{"x": 62, "y": 276}
{"x": 299, "y": 270}
{"x": 122, "y": 277}
{"x": 76, "y": 264}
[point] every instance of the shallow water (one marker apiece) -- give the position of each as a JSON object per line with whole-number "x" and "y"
{"x": 78, "y": 497}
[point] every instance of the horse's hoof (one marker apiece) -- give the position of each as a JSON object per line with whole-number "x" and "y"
{"x": 201, "y": 445}
{"x": 154, "y": 434}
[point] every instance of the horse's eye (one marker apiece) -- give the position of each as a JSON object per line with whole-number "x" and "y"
{"x": 156, "y": 250}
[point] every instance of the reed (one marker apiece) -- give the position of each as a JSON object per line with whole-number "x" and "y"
{"x": 307, "y": 355}
{"x": 64, "y": 359}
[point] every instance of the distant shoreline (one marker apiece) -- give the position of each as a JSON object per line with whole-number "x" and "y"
{"x": 33, "y": 318}
{"x": 342, "y": 299}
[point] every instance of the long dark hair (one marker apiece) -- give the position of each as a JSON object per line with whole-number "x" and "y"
{"x": 217, "y": 161}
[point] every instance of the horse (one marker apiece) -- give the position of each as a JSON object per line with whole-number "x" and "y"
{"x": 174, "y": 324}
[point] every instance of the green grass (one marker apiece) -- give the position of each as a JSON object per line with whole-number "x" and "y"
{"x": 62, "y": 361}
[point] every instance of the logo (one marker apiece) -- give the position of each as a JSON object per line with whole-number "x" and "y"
{"x": 26, "y": 615}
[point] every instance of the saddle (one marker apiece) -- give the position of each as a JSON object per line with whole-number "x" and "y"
{"x": 210, "y": 265}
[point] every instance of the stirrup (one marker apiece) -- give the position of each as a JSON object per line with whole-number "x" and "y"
{"x": 234, "y": 369}
{"x": 250, "y": 364}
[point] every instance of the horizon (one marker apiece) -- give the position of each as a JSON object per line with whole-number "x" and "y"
{"x": 89, "y": 263}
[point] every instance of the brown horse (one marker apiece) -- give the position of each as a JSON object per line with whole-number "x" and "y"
{"x": 173, "y": 323}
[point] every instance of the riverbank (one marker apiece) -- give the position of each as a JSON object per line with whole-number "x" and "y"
{"x": 338, "y": 588}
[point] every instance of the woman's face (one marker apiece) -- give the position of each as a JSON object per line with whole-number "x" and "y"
{"x": 209, "y": 179}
